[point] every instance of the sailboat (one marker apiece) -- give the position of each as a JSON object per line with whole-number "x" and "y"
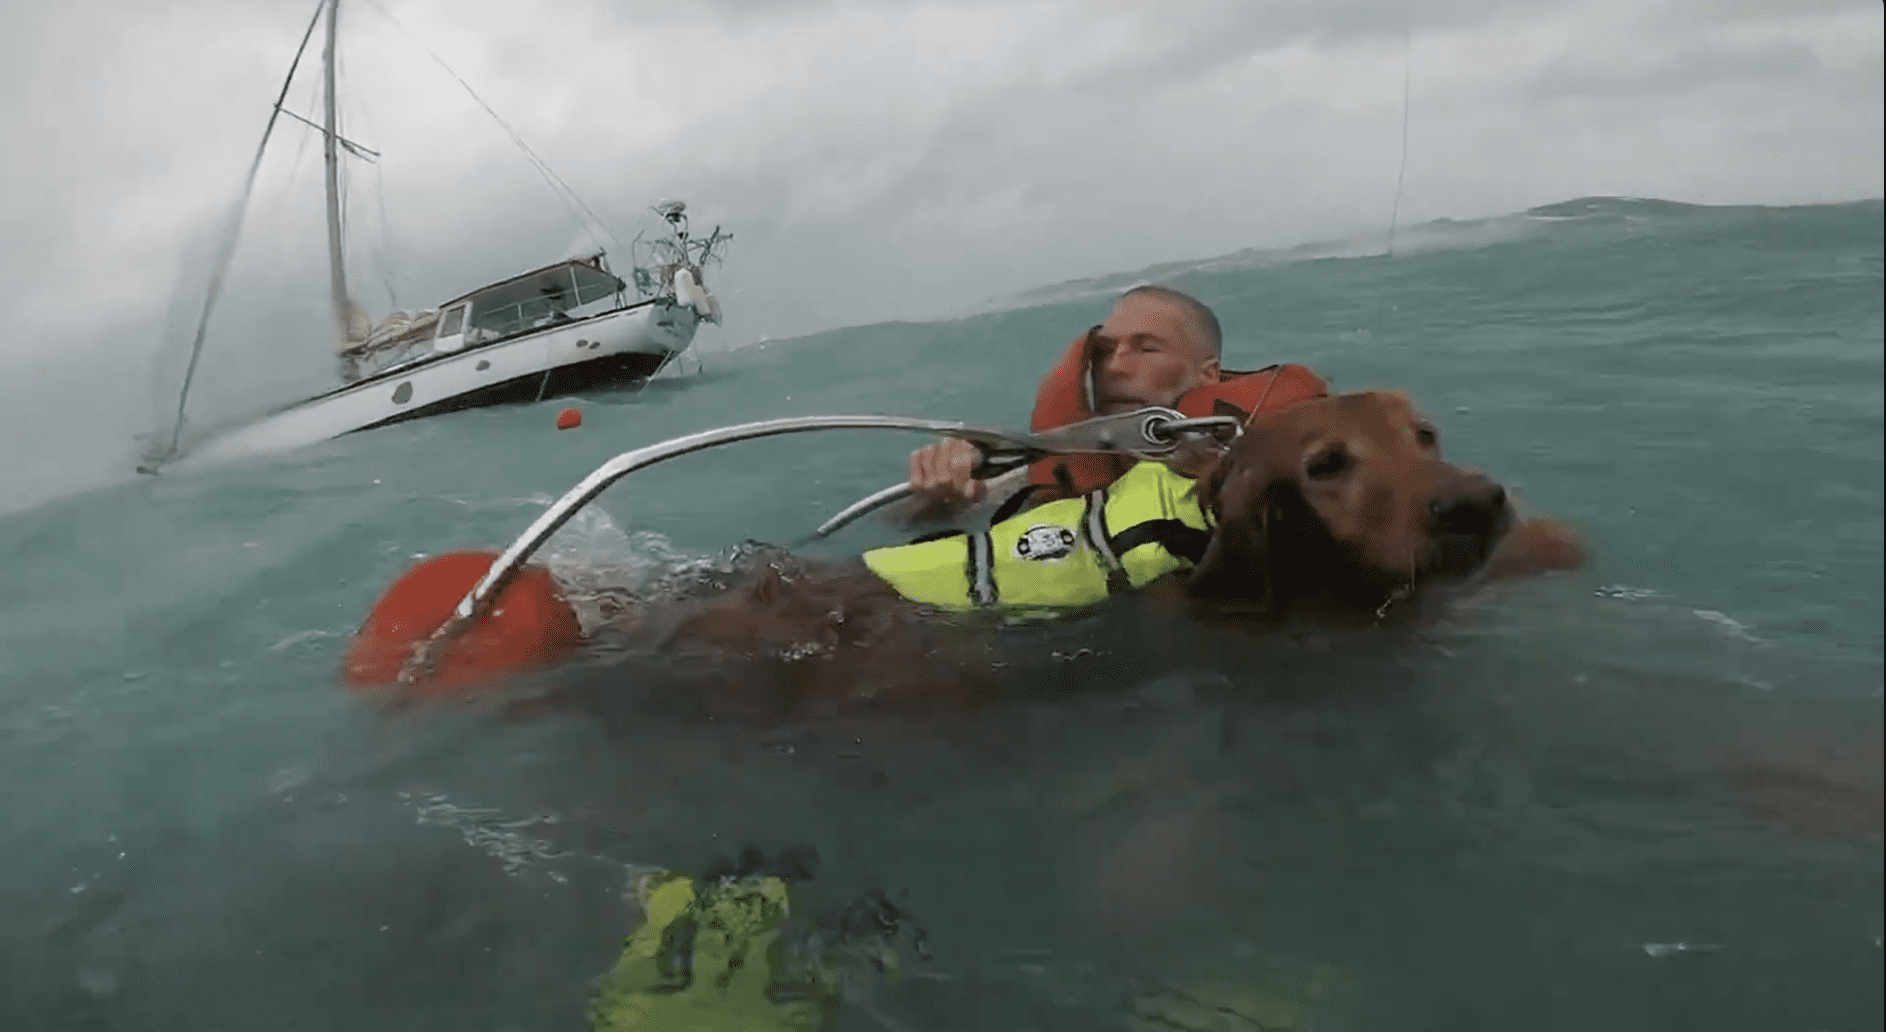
{"x": 570, "y": 327}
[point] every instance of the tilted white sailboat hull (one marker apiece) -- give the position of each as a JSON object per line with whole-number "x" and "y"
{"x": 560, "y": 329}
{"x": 602, "y": 351}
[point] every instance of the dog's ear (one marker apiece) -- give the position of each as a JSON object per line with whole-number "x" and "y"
{"x": 1196, "y": 457}
{"x": 1242, "y": 494}
{"x": 1211, "y": 483}
{"x": 1236, "y": 565}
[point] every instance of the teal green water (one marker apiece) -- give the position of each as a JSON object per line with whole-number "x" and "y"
{"x": 1477, "y": 826}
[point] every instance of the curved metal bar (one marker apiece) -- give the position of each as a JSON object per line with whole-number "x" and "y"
{"x": 879, "y": 499}
{"x": 1005, "y": 445}
{"x": 859, "y": 508}
{"x": 1146, "y": 432}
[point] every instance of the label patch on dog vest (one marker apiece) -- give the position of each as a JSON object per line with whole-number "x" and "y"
{"x": 1045, "y": 542}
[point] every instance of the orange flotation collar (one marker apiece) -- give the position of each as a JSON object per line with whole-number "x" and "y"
{"x": 529, "y": 623}
{"x": 1066, "y": 395}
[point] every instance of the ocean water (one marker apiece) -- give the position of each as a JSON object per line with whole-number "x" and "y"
{"x": 1643, "y": 796}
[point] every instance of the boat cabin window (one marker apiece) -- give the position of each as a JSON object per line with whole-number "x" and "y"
{"x": 538, "y": 300}
{"x": 518, "y": 316}
{"x": 451, "y": 325}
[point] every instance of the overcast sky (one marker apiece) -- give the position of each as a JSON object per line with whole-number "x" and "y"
{"x": 875, "y": 160}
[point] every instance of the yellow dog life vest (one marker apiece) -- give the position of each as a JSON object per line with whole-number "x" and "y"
{"x": 1062, "y": 555}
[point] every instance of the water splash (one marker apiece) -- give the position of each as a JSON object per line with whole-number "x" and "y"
{"x": 484, "y": 830}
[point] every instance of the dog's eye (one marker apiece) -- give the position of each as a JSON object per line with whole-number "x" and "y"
{"x": 1426, "y": 437}
{"x": 1327, "y": 464}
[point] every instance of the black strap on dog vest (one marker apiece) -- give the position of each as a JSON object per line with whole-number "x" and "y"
{"x": 935, "y": 535}
{"x": 1013, "y": 503}
{"x": 979, "y": 567}
{"x": 1186, "y": 542}
{"x": 1094, "y": 533}
{"x": 1063, "y": 479}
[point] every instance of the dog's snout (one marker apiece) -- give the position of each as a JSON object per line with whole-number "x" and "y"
{"x": 1473, "y": 506}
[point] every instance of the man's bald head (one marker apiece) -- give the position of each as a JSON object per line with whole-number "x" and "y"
{"x": 1156, "y": 344}
{"x": 1197, "y": 314}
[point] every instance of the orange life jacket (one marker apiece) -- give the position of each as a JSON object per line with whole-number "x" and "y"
{"x": 1066, "y": 395}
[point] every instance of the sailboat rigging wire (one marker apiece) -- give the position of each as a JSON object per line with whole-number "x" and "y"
{"x": 383, "y": 249}
{"x": 344, "y": 185}
{"x": 273, "y": 208}
{"x": 377, "y": 246}
{"x": 234, "y": 232}
{"x": 557, "y": 185}
{"x": 1401, "y": 169}
{"x": 1407, "y": 48}
{"x": 358, "y": 151}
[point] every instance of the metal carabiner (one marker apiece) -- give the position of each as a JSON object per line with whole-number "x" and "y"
{"x": 1167, "y": 429}
{"x": 1138, "y": 431}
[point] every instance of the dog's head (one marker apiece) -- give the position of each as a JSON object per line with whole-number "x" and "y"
{"x": 1346, "y": 498}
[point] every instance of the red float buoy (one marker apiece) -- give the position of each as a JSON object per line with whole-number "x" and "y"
{"x": 527, "y": 624}
{"x": 569, "y": 418}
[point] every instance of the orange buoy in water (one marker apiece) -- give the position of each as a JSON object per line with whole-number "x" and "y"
{"x": 528, "y": 624}
{"x": 569, "y": 418}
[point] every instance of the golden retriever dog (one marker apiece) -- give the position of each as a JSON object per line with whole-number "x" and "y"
{"x": 1344, "y": 508}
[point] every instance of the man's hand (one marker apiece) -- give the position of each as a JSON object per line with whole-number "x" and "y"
{"x": 940, "y": 473}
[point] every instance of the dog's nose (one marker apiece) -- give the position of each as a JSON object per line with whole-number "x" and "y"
{"x": 1473, "y": 506}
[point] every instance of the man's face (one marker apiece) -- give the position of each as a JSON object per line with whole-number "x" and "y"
{"x": 1148, "y": 353}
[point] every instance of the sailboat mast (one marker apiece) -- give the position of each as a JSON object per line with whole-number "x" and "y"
{"x": 331, "y": 152}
